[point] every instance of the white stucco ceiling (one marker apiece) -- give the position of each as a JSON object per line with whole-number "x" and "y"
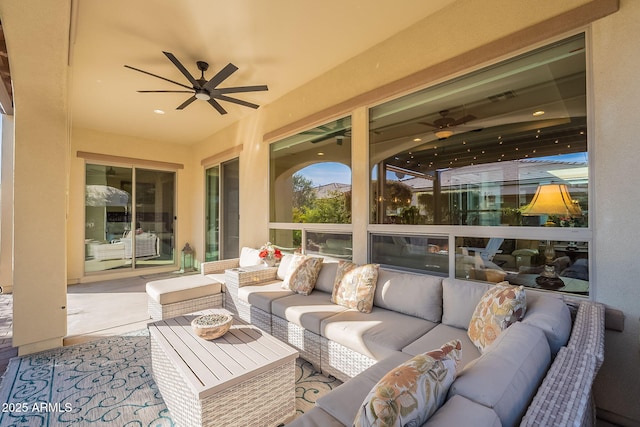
{"x": 280, "y": 43}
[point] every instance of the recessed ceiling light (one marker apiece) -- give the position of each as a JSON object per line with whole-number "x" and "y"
{"x": 538, "y": 113}
{"x": 320, "y": 153}
{"x": 417, "y": 139}
{"x": 158, "y": 111}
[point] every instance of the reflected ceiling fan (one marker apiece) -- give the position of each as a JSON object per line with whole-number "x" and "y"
{"x": 445, "y": 125}
{"x": 206, "y": 90}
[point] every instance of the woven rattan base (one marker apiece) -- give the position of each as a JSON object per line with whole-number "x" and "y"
{"x": 247, "y": 312}
{"x": 306, "y": 342}
{"x": 342, "y": 362}
{"x": 244, "y": 378}
{"x": 159, "y": 311}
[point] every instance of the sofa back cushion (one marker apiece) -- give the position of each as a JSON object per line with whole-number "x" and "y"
{"x": 327, "y": 276}
{"x": 249, "y": 257}
{"x": 549, "y": 313}
{"x": 418, "y": 295}
{"x": 505, "y": 378}
{"x": 459, "y": 301}
{"x": 283, "y": 267}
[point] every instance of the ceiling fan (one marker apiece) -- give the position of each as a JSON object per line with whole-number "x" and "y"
{"x": 206, "y": 90}
{"x": 444, "y": 126}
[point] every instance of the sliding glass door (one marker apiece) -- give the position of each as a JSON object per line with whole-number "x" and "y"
{"x": 222, "y": 186}
{"x": 129, "y": 218}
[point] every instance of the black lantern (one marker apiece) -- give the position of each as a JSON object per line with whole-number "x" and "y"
{"x": 186, "y": 263}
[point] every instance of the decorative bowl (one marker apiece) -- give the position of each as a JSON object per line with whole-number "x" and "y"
{"x": 212, "y": 326}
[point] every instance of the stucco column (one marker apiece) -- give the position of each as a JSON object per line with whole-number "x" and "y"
{"x": 37, "y": 36}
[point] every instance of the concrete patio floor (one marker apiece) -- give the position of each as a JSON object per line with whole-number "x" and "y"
{"x": 94, "y": 310}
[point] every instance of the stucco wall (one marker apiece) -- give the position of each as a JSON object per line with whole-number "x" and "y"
{"x": 616, "y": 154}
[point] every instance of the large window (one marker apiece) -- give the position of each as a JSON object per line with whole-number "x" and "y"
{"x": 129, "y": 217}
{"x": 475, "y": 150}
{"x": 311, "y": 184}
{"x": 496, "y": 149}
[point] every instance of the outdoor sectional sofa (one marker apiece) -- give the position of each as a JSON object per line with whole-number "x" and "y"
{"x": 539, "y": 371}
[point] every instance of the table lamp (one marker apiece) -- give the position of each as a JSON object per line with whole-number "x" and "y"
{"x": 551, "y": 199}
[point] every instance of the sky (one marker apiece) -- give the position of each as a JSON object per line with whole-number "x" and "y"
{"x": 327, "y": 173}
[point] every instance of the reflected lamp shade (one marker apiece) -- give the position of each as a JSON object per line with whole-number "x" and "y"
{"x": 552, "y": 199}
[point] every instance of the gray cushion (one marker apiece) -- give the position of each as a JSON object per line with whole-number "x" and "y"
{"x": 327, "y": 276}
{"x": 459, "y": 301}
{"x": 551, "y": 314}
{"x": 417, "y": 295}
{"x": 306, "y": 311}
{"x": 343, "y": 402}
{"x": 507, "y": 375}
{"x": 315, "y": 417}
{"x": 182, "y": 288}
{"x": 440, "y": 335}
{"x": 460, "y": 411}
{"x": 375, "y": 334}
{"x": 261, "y": 296}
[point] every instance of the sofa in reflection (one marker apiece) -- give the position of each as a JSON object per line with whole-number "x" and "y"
{"x": 147, "y": 246}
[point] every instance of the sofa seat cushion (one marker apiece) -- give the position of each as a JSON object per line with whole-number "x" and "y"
{"x": 375, "y": 334}
{"x": 460, "y": 411}
{"x": 261, "y": 296}
{"x": 505, "y": 378}
{"x": 343, "y": 402}
{"x": 183, "y": 288}
{"x": 441, "y": 334}
{"x": 306, "y": 311}
{"x": 218, "y": 277}
{"x": 417, "y": 295}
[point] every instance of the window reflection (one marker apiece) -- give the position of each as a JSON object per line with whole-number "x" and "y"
{"x": 311, "y": 175}
{"x": 522, "y": 262}
{"x": 411, "y": 252}
{"x": 473, "y": 151}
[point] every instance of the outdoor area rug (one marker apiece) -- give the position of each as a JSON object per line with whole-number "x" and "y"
{"x": 107, "y": 382}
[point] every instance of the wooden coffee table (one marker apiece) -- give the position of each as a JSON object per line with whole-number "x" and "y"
{"x": 246, "y": 377}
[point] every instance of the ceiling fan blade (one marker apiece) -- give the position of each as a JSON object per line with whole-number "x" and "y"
{"x": 464, "y": 119}
{"x": 217, "y": 106}
{"x": 183, "y": 70}
{"x": 220, "y": 77}
{"x": 428, "y": 124}
{"x": 241, "y": 89}
{"x": 235, "y": 101}
{"x": 185, "y": 103}
{"x": 155, "y": 75}
{"x": 164, "y": 91}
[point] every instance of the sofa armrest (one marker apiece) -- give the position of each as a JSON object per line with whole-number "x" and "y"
{"x": 565, "y": 397}
{"x": 219, "y": 266}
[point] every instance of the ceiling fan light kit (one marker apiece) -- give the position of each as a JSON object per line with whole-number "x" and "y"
{"x": 203, "y": 89}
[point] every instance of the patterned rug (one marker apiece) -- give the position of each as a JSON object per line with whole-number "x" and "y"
{"x": 107, "y": 382}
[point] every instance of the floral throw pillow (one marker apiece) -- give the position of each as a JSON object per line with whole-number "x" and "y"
{"x": 498, "y": 308}
{"x": 302, "y": 274}
{"x": 355, "y": 286}
{"x": 410, "y": 393}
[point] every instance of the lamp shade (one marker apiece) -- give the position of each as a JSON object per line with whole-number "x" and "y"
{"x": 552, "y": 199}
